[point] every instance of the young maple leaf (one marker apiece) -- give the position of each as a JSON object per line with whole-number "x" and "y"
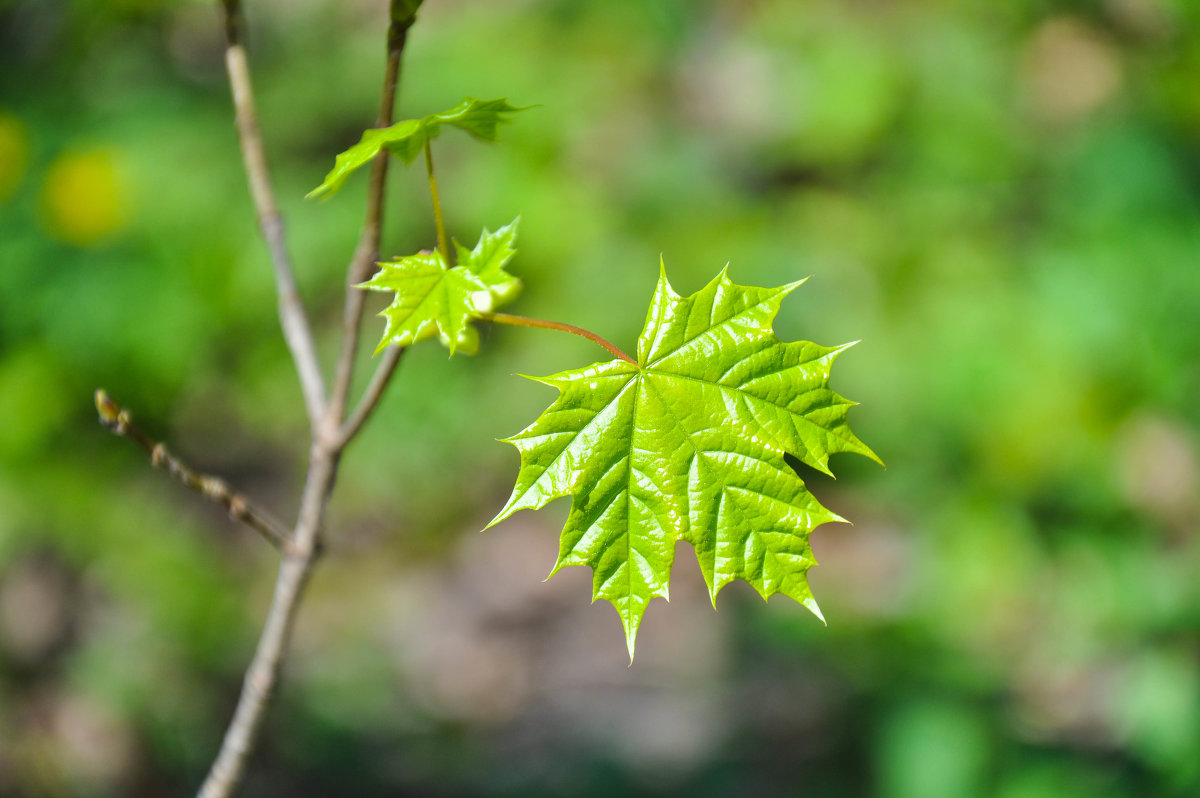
{"x": 689, "y": 443}
{"x": 480, "y": 118}
{"x": 433, "y": 299}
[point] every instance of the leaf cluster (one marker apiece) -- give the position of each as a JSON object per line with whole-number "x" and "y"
{"x": 689, "y": 442}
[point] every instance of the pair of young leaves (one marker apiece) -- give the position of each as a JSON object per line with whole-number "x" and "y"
{"x": 433, "y": 298}
{"x": 688, "y": 443}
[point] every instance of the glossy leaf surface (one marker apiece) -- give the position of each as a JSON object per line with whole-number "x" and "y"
{"x": 480, "y": 118}
{"x": 689, "y": 444}
{"x": 435, "y": 299}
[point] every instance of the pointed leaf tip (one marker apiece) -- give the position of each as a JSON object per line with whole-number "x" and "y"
{"x": 792, "y": 286}
{"x": 811, "y": 604}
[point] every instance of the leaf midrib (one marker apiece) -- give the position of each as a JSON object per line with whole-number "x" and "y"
{"x": 687, "y": 342}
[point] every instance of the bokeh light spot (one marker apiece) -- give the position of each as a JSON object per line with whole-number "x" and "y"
{"x": 14, "y": 154}
{"x": 83, "y": 199}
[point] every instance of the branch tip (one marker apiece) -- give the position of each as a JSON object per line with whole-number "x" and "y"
{"x": 108, "y": 409}
{"x": 118, "y": 421}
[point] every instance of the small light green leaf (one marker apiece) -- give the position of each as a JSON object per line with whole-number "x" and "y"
{"x": 432, "y": 299}
{"x": 487, "y": 261}
{"x": 690, "y": 444}
{"x": 406, "y": 140}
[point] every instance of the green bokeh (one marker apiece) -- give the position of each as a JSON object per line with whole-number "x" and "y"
{"x": 1001, "y": 200}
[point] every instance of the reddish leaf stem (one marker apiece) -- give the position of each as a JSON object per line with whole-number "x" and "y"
{"x": 524, "y": 321}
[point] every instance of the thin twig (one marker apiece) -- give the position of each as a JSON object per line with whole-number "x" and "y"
{"x": 372, "y": 395}
{"x": 366, "y": 254}
{"x": 524, "y": 321}
{"x": 292, "y": 318}
{"x": 436, "y": 199}
{"x": 120, "y": 422}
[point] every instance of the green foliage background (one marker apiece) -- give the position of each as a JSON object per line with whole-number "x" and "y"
{"x": 1001, "y": 199}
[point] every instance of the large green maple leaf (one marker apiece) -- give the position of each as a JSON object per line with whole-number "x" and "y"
{"x": 689, "y": 443}
{"x": 433, "y": 298}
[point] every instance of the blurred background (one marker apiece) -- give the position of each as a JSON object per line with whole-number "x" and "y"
{"x": 1002, "y": 200}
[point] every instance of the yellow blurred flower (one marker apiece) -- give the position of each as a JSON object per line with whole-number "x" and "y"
{"x": 83, "y": 199}
{"x": 14, "y": 154}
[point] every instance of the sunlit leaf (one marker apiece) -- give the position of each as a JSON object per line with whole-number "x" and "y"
{"x": 689, "y": 443}
{"x": 435, "y": 299}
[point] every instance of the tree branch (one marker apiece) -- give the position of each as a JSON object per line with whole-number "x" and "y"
{"x": 366, "y": 254}
{"x": 261, "y": 677}
{"x": 330, "y": 435}
{"x": 372, "y": 395}
{"x": 120, "y": 422}
{"x": 296, "y": 329}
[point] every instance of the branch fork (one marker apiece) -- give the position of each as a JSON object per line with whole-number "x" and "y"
{"x": 331, "y": 427}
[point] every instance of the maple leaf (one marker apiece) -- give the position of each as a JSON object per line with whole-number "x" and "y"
{"x": 689, "y": 443}
{"x": 480, "y": 118}
{"x": 435, "y": 299}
